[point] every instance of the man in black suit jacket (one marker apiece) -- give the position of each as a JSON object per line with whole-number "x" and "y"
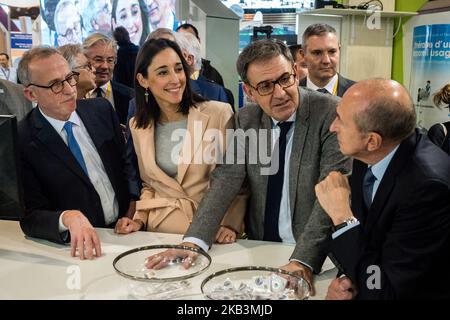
{"x": 102, "y": 53}
{"x": 320, "y": 51}
{"x": 72, "y": 155}
{"x": 393, "y": 242}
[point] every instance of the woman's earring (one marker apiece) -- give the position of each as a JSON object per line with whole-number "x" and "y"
{"x": 146, "y": 95}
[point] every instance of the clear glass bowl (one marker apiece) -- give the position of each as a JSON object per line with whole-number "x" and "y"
{"x": 255, "y": 283}
{"x": 164, "y": 283}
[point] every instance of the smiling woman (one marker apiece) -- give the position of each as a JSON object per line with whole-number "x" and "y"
{"x": 131, "y": 14}
{"x": 165, "y": 107}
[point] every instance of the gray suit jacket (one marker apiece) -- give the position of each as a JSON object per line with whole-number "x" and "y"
{"x": 12, "y": 100}
{"x": 315, "y": 152}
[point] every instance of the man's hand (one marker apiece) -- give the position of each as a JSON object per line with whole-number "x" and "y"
{"x": 225, "y": 235}
{"x": 333, "y": 194}
{"x": 341, "y": 289}
{"x": 126, "y": 225}
{"x": 83, "y": 235}
{"x": 163, "y": 259}
{"x": 301, "y": 270}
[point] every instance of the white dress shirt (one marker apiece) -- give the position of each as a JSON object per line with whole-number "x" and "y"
{"x": 330, "y": 85}
{"x": 94, "y": 165}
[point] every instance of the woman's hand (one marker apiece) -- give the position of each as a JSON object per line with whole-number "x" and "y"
{"x": 126, "y": 225}
{"x": 225, "y": 235}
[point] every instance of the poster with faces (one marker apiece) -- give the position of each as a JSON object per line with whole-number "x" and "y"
{"x": 71, "y": 21}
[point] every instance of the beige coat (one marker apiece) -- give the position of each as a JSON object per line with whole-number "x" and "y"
{"x": 168, "y": 204}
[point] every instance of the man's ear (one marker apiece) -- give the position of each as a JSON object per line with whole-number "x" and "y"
{"x": 248, "y": 91}
{"x": 30, "y": 95}
{"x": 374, "y": 141}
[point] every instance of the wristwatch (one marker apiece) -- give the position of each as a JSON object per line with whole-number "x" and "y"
{"x": 347, "y": 222}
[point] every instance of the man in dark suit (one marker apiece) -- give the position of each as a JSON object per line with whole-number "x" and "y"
{"x": 72, "y": 155}
{"x": 393, "y": 240}
{"x": 12, "y": 100}
{"x": 320, "y": 51}
{"x": 126, "y": 57}
{"x": 283, "y": 205}
{"x": 102, "y": 53}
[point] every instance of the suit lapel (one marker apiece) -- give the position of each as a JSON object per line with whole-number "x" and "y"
{"x": 53, "y": 142}
{"x": 298, "y": 143}
{"x": 356, "y": 183}
{"x": 196, "y": 126}
{"x": 388, "y": 182}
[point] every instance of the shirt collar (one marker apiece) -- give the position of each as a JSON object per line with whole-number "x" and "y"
{"x": 58, "y": 125}
{"x": 104, "y": 88}
{"x": 329, "y": 86}
{"x": 291, "y": 119}
{"x": 379, "y": 168}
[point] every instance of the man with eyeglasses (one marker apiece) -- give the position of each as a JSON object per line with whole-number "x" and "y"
{"x": 72, "y": 157}
{"x": 320, "y": 50}
{"x": 293, "y": 122}
{"x": 102, "y": 53}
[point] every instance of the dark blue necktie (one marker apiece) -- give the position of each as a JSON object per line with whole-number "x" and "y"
{"x": 323, "y": 90}
{"x": 74, "y": 147}
{"x": 275, "y": 188}
{"x": 99, "y": 92}
{"x": 368, "y": 182}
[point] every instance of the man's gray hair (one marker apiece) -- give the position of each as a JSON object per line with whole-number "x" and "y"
{"x": 261, "y": 50}
{"x": 317, "y": 29}
{"x": 99, "y": 38}
{"x": 161, "y": 33}
{"x": 70, "y": 53}
{"x": 189, "y": 42}
{"x": 34, "y": 53}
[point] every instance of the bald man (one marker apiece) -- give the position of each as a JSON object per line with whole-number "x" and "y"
{"x": 393, "y": 240}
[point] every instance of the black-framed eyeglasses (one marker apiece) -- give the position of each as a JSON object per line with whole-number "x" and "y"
{"x": 88, "y": 66}
{"x": 267, "y": 87}
{"x": 58, "y": 86}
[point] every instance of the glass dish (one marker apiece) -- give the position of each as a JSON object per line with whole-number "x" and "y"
{"x": 255, "y": 283}
{"x": 164, "y": 283}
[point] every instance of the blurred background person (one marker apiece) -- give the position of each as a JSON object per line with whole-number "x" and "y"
{"x": 207, "y": 70}
{"x": 131, "y": 14}
{"x": 79, "y": 63}
{"x": 439, "y": 132}
{"x": 12, "y": 100}
{"x": 67, "y": 23}
{"x": 6, "y": 72}
{"x": 301, "y": 69}
{"x": 126, "y": 57}
{"x": 161, "y": 14}
{"x": 97, "y": 16}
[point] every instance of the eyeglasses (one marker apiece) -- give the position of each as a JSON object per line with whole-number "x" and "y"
{"x": 267, "y": 87}
{"x": 97, "y": 61}
{"x": 58, "y": 86}
{"x": 88, "y": 66}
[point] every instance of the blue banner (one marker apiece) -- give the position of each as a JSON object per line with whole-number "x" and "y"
{"x": 430, "y": 71}
{"x": 22, "y": 41}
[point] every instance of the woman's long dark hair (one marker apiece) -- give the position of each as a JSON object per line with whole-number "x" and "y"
{"x": 148, "y": 113}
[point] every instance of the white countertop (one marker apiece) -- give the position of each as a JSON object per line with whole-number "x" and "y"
{"x": 38, "y": 269}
